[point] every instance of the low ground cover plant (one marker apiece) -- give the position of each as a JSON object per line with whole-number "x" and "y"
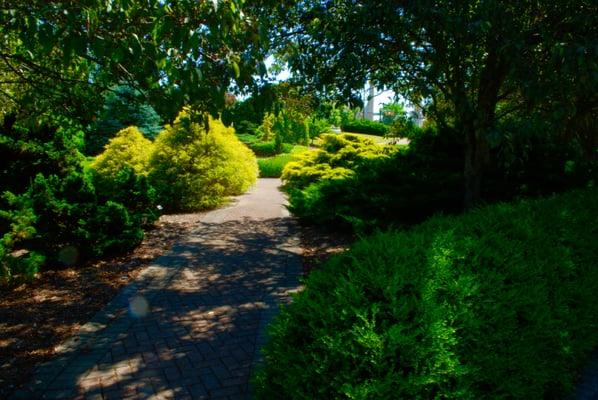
{"x": 496, "y": 303}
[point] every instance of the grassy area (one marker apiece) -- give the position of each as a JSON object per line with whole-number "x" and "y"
{"x": 271, "y": 167}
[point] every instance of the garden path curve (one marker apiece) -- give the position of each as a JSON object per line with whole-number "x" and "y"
{"x": 190, "y": 325}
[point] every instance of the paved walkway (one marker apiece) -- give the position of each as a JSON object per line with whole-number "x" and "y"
{"x": 191, "y": 324}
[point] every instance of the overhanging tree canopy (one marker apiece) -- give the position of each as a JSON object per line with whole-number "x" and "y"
{"x": 182, "y": 52}
{"x": 472, "y": 55}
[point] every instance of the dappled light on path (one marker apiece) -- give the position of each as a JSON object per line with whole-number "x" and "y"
{"x": 208, "y": 301}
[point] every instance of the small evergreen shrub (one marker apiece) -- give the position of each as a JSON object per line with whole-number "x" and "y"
{"x": 193, "y": 168}
{"x": 496, "y": 303}
{"x": 16, "y": 262}
{"x": 365, "y": 126}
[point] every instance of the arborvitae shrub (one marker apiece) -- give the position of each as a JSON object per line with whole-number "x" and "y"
{"x": 498, "y": 303}
{"x": 194, "y": 169}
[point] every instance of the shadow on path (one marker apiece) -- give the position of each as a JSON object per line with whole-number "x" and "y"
{"x": 208, "y": 301}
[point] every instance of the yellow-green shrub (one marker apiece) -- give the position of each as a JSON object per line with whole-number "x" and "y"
{"x": 129, "y": 148}
{"x": 193, "y": 169}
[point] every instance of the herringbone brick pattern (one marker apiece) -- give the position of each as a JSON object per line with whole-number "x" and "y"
{"x": 208, "y": 302}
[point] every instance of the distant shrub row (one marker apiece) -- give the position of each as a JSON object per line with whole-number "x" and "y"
{"x": 365, "y": 126}
{"x": 496, "y": 303}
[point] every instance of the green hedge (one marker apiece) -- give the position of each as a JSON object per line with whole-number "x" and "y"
{"x": 497, "y": 303}
{"x": 268, "y": 149}
{"x": 365, "y": 126}
{"x": 272, "y": 167}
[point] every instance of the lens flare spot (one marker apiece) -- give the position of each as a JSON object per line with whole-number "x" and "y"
{"x": 138, "y": 306}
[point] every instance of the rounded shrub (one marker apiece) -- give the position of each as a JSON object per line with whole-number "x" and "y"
{"x": 129, "y": 148}
{"x": 499, "y": 303}
{"x": 195, "y": 168}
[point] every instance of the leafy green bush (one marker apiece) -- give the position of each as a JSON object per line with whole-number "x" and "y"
{"x": 17, "y": 262}
{"x": 496, "y": 303}
{"x": 69, "y": 209}
{"x": 193, "y": 168}
{"x": 365, "y": 126}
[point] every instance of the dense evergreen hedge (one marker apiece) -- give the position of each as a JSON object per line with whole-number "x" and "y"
{"x": 496, "y": 303}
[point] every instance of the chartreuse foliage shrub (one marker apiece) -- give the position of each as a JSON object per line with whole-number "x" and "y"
{"x": 128, "y": 148}
{"x": 496, "y": 303}
{"x": 351, "y": 180}
{"x": 365, "y": 126}
{"x": 120, "y": 174}
{"x": 193, "y": 168}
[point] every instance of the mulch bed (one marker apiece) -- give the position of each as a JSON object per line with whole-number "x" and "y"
{"x": 36, "y": 317}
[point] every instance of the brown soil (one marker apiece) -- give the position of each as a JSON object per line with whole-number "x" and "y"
{"x": 35, "y": 317}
{"x": 320, "y": 243}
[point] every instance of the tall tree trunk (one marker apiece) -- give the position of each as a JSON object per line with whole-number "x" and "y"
{"x": 478, "y": 126}
{"x": 476, "y": 156}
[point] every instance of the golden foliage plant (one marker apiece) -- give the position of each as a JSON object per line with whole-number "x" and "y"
{"x": 129, "y": 148}
{"x": 197, "y": 162}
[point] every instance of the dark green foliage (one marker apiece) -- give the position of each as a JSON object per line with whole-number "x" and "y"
{"x": 112, "y": 230}
{"x": 131, "y": 190}
{"x": 25, "y": 151}
{"x": 123, "y": 107}
{"x": 69, "y": 214}
{"x": 496, "y": 303}
{"x": 17, "y": 225}
{"x": 269, "y": 149}
{"x": 53, "y": 210}
{"x": 365, "y": 126}
{"x": 354, "y": 182}
{"x": 531, "y": 159}
{"x": 246, "y": 127}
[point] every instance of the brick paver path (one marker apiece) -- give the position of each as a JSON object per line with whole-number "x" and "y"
{"x": 208, "y": 301}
